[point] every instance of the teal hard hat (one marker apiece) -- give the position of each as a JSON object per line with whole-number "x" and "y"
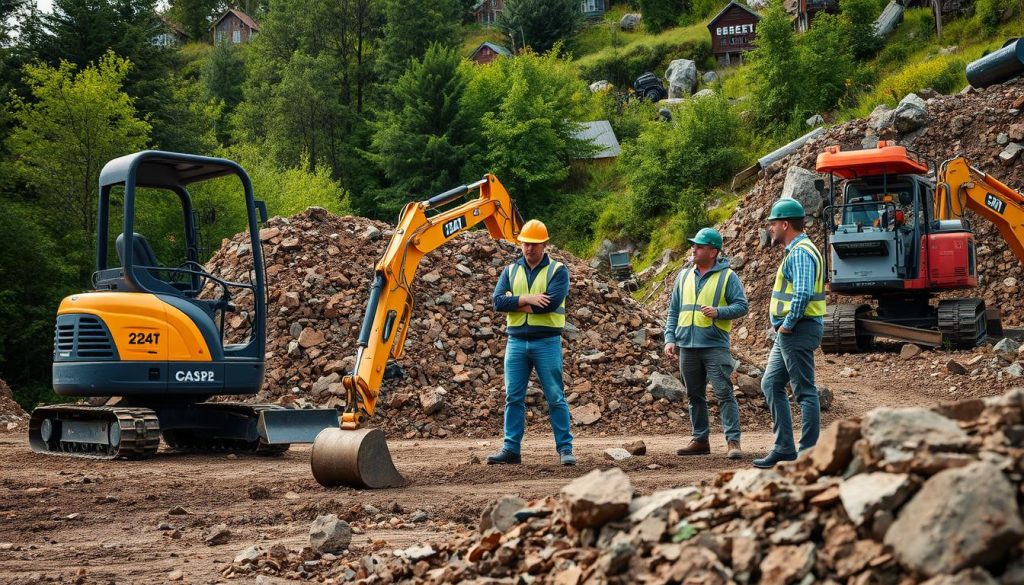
{"x": 708, "y": 237}
{"x": 786, "y": 209}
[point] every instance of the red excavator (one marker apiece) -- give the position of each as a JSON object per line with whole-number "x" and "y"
{"x": 355, "y": 455}
{"x": 900, "y": 238}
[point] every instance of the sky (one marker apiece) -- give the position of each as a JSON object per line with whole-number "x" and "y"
{"x": 45, "y": 5}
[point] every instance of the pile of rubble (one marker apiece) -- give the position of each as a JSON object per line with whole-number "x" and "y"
{"x": 986, "y": 126}
{"x": 319, "y": 269}
{"x": 11, "y": 413}
{"x": 908, "y": 495}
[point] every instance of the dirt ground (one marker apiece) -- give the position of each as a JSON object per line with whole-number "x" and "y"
{"x": 111, "y": 521}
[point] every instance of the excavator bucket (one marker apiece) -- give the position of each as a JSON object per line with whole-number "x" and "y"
{"x": 354, "y": 458}
{"x": 282, "y": 426}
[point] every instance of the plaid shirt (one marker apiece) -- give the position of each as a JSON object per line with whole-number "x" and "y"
{"x": 800, "y": 268}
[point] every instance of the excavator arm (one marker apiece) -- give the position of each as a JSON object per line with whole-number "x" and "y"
{"x": 961, "y": 186}
{"x": 386, "y": 322}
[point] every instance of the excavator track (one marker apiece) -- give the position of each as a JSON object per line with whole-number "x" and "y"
{"x": 962, "y": 322}
{"x": 94, "y": 432}
{"x": 841, "y": 330}
{"x": 203, "y": 440}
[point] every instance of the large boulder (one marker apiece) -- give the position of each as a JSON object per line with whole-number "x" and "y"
{"x": 682, "y": 78}
{"x": 706, "y": 92}
{"x": 960, "y": 518}
{"x": 881, "y": 117}
{"x": 665, "y": 386}
{"x": 867, "y": 493}
{"x": 911, "y": 114}
{"x": 328, "y": 534}
{"x": 894, "y": 435}
{"x": 597, "y": 498}
{"x": 710, "y": 77}
{"x": 501, "y": 514}
{"x": 799, "y": 185}
{"x": 600, "y": 86}
{"x": 630, "y": 21}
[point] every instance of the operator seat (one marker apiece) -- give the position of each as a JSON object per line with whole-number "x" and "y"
{"x": 142, "y": 252}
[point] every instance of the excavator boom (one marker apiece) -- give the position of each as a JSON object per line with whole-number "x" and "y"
{"x": 356, "y": 456}
{"x": 961, "y": 186}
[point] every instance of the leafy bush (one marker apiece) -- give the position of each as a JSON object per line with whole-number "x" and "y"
{"x": 989, "y": 13}
{"x": 943, "y": 73}
{"x": 539, "y": 24}
{"x": 659, "y": 14}
{"x": 622, "y": 64}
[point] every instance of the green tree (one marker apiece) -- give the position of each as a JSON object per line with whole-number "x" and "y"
{"x": 775, "y": 67}
{"x": 195, "y": 16}
{"x": 421, "y": 145}
{"x": 659, "y": 14}
{"x": 859, "y": 17}
{"x": 529, "y": 110}
{"x": 76, "y": 121}
{"x": 223, "y": 74}
{"x": 826, "y": 64}
{"x": 675, "y": 164}
{"x": 408, "y": 33}
{"x": 539, "y": 24}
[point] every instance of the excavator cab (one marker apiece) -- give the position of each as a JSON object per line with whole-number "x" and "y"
{"x": 149, "y": 339}
{"x": 884, "y": 243}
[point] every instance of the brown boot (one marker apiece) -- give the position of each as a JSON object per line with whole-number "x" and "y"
{"x": 734, "y": 450}
{"x": 696, "y": 447}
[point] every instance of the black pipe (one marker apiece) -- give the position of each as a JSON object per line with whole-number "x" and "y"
{"x": 447, "y": 196}
{"x": 371, "y": 310}
{"x": 998, "y": 66}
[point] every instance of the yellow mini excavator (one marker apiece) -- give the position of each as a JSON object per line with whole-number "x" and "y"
{"x": 357, "y": 456}
{"x": 149, "y": 342}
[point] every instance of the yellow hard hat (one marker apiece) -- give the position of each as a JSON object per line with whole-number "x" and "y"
{"x": 534, "y": 232}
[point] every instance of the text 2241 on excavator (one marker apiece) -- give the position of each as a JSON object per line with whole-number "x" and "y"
{"x": 357, "y": 456}
{"x": 901, "y": 238}
{"x": 149, "y": 336}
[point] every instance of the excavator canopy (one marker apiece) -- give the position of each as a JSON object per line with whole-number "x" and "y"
{"x": 887, "y": 159}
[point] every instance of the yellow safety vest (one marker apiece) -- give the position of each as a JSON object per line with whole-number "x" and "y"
{"x": 520, "y": 286}
{"x": 711, "y": 295}
{"x": 782, "y": 292}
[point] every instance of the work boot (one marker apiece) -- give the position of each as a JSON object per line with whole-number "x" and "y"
{"x": 696, "y": 447}
{"x": 504, "y": 457}
{"x": 567, "y": 458}
{"x": 773, "y": 457}
{"x": 734, "y": 450}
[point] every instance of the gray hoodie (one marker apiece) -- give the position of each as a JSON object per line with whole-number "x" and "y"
{"x": 693, "y": 337}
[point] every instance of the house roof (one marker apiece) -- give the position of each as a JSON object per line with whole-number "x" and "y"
{"x": 496, "y": 48}
{"x": 602, "y": 135}
{"x": 173, "y": 26}
{"x": 729, "y": 7}
{"x": 241, "y": 16}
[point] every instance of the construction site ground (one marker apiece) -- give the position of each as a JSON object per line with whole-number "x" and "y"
{"x": 112, "y": 521}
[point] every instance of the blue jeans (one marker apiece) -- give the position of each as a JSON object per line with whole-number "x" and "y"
{"x": 792, "y": 360}
{"x": 698, "y": 366}
{"x": 545, "y": 356}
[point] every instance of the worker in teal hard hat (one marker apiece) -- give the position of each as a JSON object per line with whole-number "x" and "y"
{"x": 796, "y": 309}
{"x": 706, "y": 298}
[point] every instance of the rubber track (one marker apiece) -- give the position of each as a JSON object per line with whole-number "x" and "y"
{"x": 841, "y": 329}
{"x": 140, "y": 431}
{"x": 962, "y": 322}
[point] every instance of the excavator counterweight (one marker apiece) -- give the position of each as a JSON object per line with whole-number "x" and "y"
{"x": 359, "y": 457}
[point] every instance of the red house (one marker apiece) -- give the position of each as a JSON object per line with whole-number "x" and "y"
{"x": 486, "y": 11}
{"x": 732, "y": 32}
{"x": 488, "y": 52}
{"x": 234, "y": 26}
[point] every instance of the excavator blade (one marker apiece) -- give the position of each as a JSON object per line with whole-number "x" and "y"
{"x": 354, "y": 458}
{"x": 282, "y": 426}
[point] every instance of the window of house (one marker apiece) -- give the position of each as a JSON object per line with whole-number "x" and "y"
{"x": 236, "y": 36}
{"x": 221, "y": 36}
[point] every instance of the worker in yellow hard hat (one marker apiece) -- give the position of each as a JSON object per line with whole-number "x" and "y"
{"x": 531, "y": 292}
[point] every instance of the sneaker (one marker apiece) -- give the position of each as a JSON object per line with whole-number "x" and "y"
{"x": 696, "y": 447}
{"x": 734, "y": 450}
{"x": 567, "y": 458}
{"x": 773, "y": 457}
{"x": 504, "y": 457}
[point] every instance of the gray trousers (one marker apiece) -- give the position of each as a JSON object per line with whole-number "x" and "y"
{"x": 698, "y": 366}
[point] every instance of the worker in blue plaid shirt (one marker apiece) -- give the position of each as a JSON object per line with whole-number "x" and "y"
{"x": 796, "y": 310}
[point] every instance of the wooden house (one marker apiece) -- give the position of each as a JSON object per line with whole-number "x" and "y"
{"x": 486, "y": 11}
{"x": 234, "y": 26}
{"x": 488, "y": 52}
{"x": 732, "y": 32}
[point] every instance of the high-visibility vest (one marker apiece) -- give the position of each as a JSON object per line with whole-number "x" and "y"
{"x": 711, "y": 295}
{"x": 520, "y": 286}
{"x": 782, "y": 292}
